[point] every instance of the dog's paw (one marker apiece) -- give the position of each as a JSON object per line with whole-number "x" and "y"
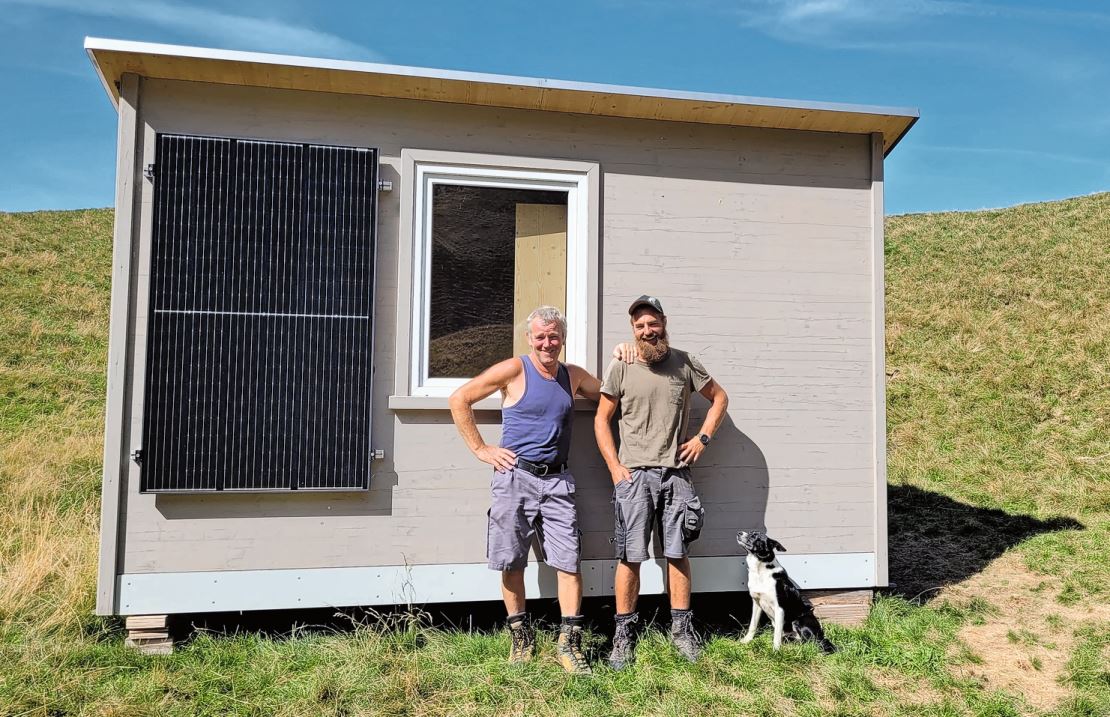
{"x": 746, "y": 639}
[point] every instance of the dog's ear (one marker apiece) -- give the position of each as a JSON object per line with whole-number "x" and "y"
{"x": 777, "y": 545}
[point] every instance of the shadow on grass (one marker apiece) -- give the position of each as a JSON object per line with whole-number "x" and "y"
{"x": 936, "y": 541}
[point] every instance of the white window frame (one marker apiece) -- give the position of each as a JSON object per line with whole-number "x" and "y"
{"x": 429, "y": 169}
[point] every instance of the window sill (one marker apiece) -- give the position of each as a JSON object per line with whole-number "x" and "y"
{"x": 439, "y": 403}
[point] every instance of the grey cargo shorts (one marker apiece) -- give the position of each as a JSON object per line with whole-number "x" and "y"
{"x": 662, "y": 497}
{"x": 524, "y": 506}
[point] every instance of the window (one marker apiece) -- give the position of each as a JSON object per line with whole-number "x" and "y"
{"x": 492, "y": 239}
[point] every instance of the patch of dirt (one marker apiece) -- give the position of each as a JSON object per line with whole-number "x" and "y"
{"x": 1025, "y": 646}
{"x": 912, "y": 692}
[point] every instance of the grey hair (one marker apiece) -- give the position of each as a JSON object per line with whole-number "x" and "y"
{"x": 548, "y": 315}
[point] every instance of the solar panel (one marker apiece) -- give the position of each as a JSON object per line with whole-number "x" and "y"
{"x": 259, "y": 351}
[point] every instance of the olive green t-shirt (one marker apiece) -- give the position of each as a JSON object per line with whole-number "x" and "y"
{"x": 654, "y": 401}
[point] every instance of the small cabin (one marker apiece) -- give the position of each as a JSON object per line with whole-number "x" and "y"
{"x": 310, "y": 255}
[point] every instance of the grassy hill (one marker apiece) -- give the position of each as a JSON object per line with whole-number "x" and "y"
{"x": 999, "y": 462}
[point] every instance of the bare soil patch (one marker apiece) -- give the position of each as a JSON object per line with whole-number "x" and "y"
{"x": 1025, "y": 646}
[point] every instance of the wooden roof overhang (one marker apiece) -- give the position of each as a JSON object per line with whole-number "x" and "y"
{"x": 113, "y": 58}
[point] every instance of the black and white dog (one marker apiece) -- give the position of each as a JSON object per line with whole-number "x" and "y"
{"x": 774, "y": 593}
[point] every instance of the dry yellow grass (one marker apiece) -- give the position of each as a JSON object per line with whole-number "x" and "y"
{"x": 55, "y": 268}
{"x": 49, "y": 526}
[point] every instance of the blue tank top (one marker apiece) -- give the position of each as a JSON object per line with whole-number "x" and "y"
{"x": 537, "y": 427}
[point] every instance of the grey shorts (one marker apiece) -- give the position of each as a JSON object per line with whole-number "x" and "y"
{"x": 524, "y": 506}
{"x": 660, "y": 498}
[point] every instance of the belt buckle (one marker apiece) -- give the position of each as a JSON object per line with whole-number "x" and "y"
{"x": 545, "y": 468}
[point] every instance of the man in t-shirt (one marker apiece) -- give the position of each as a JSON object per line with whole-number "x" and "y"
{"x": 651, "y": 475}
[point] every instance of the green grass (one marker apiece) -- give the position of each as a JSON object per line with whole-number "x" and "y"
{"x": 999, "y": 348}
{"x": 406, "y": 668}
{"x": 1089, "y": 674}
{"x": 997, "y": 354}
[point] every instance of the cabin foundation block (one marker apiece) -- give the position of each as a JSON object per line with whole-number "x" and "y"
{"x": 149, "y": 634}
{"x": 842, "y": 607}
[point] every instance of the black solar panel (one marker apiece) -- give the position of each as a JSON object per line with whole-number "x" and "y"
{"x": 261, "y": 306}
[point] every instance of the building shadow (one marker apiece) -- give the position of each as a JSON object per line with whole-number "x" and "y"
{"x": 733, "y": 483}
{"x": 937, "y": 541}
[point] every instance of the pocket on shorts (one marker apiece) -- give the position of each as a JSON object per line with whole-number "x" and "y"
{"x": 489, "y": 532}
{"x": 620, "y": 532}
{"x": 693, "y": 518}
{"x": 501, "y": 482}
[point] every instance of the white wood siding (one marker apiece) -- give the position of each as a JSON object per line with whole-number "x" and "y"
{"x": 758, "y": 242}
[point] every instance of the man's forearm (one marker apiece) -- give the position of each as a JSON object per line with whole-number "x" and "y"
{"x": 715, "y": 414}
{"x": 605, "y": 443}
{"x": 462, "y": 413}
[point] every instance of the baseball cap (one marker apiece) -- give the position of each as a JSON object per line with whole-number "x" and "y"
{"x": 645, "y": 300}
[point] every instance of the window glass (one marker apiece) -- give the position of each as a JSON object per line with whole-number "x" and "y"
{"x": 497, "y": 253}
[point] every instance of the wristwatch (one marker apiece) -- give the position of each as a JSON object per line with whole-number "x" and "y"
{"x": 704, "y": 438}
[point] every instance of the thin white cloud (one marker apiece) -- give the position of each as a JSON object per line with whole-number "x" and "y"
{"x": 876, "y": 25}
{"x": 832, "y": 19}
{"x": 207, "y": 25}
{"x": 952, "y": 29}
{"x": 830, "y": 23}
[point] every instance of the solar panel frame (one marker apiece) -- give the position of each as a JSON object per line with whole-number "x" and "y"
{"x": 260, "y": 330}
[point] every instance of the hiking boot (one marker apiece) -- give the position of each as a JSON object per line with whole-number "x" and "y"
{"x": 624, "y": 641}
{"x": 683, "y": 636}
{"x": 523, "y": 638}
{"x": 569, "y": 650}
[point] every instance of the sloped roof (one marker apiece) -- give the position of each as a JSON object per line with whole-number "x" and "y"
{"x": 113, "y": 58}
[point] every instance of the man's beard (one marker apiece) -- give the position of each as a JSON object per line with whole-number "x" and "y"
{"x": 654, "y": 353}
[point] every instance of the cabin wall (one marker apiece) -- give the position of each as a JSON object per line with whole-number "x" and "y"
{"x": 759, "y": 244}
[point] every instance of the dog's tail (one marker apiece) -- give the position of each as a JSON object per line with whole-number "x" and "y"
{"x": 809, "y": 630}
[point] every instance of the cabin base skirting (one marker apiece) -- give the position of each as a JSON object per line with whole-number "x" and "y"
{"x": 842, "y": 607}
{"x": 188, "y": 592}
{"x": 149, "y": 634}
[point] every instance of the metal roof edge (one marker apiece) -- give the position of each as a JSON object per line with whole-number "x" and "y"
{"x": 112, "y": 97}
{"x": 905, "y": 131}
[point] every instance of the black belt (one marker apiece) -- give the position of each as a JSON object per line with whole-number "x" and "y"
{"x": 541, "y": 469}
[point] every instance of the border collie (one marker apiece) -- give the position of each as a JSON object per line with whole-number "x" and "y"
{"x": 774, "y": 593}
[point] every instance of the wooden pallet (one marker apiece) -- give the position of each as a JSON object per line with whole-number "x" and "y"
{"x": 149, "y": 634}
{"x": 843, "y": 607}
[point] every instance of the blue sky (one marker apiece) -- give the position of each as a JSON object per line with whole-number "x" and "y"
{"x": 1014, "y": 96}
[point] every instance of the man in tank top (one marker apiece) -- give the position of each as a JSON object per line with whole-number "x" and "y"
{"x": 532, "y": 488}
{"x": 651, "y": 474}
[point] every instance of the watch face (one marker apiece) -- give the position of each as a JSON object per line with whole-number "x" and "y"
{"x": 704, "y": 439}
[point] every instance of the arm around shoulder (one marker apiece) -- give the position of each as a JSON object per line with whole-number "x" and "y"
{"x": 584, "y": 383}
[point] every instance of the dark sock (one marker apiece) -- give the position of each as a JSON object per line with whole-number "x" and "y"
{"x": 676, "y": 613}
{"x": 574, "y": 620}
{"x": 518, "y": 617}
{"x": 625, "y": 616}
